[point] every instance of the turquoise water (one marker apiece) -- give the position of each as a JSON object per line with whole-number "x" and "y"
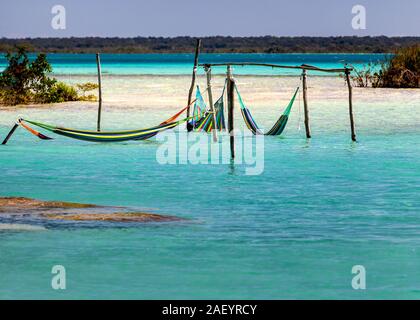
{"x": 180, "y": 64}
{"x": 295, "y": 231}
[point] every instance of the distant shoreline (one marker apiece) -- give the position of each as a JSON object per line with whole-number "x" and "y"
{"x": 217, "y": 44}
{"x": 212, "y": 53}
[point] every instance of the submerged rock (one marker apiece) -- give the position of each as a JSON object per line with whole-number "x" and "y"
{"x": 11, "y": 207}
{"x": 114, "y": 217}
{"x": 21, "y": 203}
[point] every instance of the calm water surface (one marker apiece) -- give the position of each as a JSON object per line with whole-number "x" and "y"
{"x": 295, "y": 231}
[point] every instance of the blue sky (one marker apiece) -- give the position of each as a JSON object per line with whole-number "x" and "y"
{"x": 129, "y": 18}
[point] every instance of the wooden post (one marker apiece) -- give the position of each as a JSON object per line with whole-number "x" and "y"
{"x": 305, "y": 104}
{"x": 210, "y": 94}
{"x": 10, "y": 133}
{"x": 231, "y": 104}
{"x": 98, "y": 63}
{"x": 353, "y": 133}
{"x": 194, "y": 74}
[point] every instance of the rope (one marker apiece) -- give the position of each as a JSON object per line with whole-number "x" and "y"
{"x": 34, "y": 132}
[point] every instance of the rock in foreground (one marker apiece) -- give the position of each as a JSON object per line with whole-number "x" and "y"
{"x": 20, "y": 203}
{"x": 114, "y": 217}
{"x": 14, "y": 207}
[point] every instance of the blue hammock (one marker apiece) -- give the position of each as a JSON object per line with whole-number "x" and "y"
{"x": 278, "y": 127}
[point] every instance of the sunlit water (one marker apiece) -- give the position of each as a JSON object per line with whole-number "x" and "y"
{"x": 295, "y": 231}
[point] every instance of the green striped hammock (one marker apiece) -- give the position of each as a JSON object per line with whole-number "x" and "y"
{"x": 279, "y": 125}
{"x": 104, "y": 136}
{"x": 202, "y": 119}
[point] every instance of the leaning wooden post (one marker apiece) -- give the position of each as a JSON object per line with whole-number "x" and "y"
{"x": 207, "y": 68}
{"x": 231, "y": 104}
{"x": 98, "y": 63}
{"x": 10, "y": 133}
{"x": 305, "y": 104}
{"x": 353, "y": 133}
{"x": 194, "y": 74}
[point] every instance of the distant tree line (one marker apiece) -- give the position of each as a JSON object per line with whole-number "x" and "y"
{"x": 217, "y": 44}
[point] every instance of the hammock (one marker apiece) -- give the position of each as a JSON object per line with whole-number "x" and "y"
{"x": 104, "y": 136}
{"x": 278, "y": 127}
{"x": 198, "y": 111}
{"x": 203, "y": 119}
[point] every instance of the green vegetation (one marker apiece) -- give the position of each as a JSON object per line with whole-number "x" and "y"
{"x": 218, "y": 44}
{"x": 400, "y": 71}
{"x": 366, "y": 76}
{"x": 403, "y": 70}
{"x": 24, "y": 82}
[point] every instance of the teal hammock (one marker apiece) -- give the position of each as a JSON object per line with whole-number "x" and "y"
{"x": 278, "y": 127}
{"x": 202, "y": 118}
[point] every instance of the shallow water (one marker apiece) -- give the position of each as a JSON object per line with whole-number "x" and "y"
{"x": 295, "y": 231}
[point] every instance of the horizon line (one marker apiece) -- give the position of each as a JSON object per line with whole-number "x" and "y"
{"x": 212, "y": 36}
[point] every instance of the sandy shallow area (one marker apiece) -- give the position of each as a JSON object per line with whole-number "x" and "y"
{"x": 142, "y": 101}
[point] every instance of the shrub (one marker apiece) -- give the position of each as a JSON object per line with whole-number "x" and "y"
{"x": 60, "y": 92}
{"x": 401, "y": 70}
{"x": 15, "y": 80}
{"x": 83, "y": 90}
{"x": 24, "y": 82}
{"x": 363, "y": 77}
